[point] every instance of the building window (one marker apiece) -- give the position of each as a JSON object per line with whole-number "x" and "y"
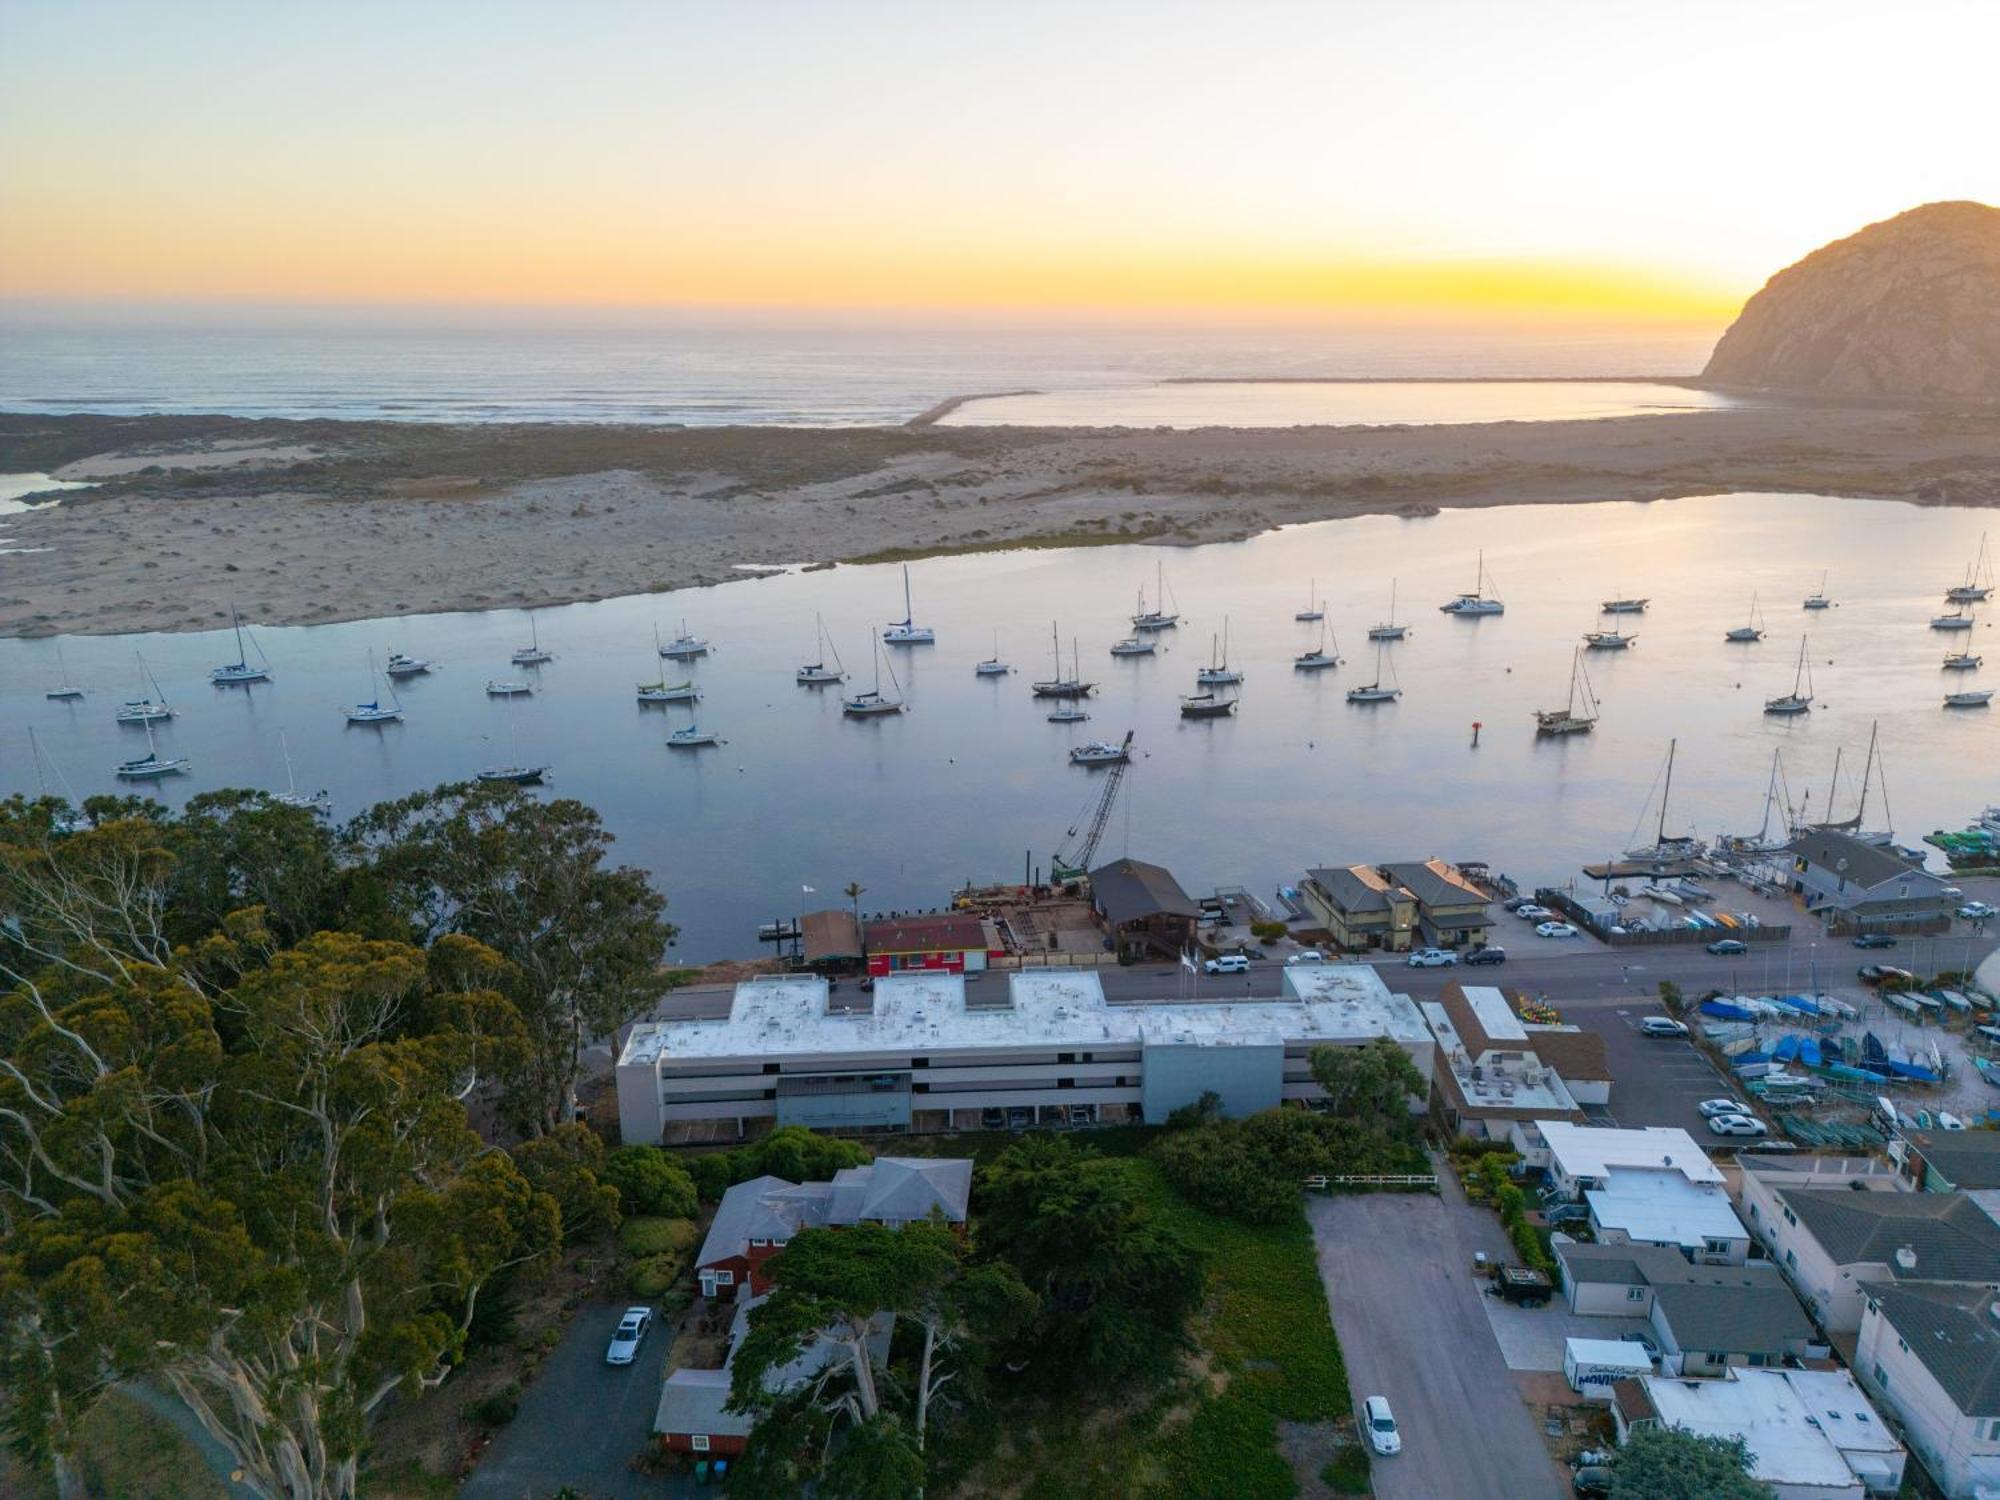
{"x": 1881, "y": 1376}
{"x": 725, "y": 1278}
{"x": 1791, "y": 1260}
{"x": 1635, "y": 1294}
{"x": 770, "y": 1067}
{"x": 1089, "y": 1057}
{"x": 1716, "y": 1247}
{"x": 1753, "y": 1212}
{"x": 699, "y": 1442}
{"x": 1065, "y": 1057}
{"x": 760, "y": 1244}
{"x": 1790, "y": 1217}
{"x": 920, "y": 1062}
{"x": 1718, "y": 1356}
{"x": 1987, "y": 1431}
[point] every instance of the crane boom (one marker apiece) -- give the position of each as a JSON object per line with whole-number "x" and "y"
{"x": 1077, "y": 865}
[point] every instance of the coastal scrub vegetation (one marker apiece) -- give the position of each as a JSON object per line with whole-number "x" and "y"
{"x": 1666, "y": 1463}
{"x": 236, "y": 1052}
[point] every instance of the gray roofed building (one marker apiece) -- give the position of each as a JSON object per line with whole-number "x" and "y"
{"x": 1916, "y": 1236}
{"x": 740, "y": 1217}
{"x": 1845, "y": 877}
{"x": 1433, "y": 882}
{"x": 1953, "y": 1331}
{"x": 1753, "y": 1313}
{"x": 1941, "y": 1161}
{"x": 1708, "y": 1318}
{"x": 1347, "y": 887}
{"x": 1130, "y": 890}
{"x": 1858, "y": 861}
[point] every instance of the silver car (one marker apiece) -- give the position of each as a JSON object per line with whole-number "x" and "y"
{"x": 631, "y": 1329}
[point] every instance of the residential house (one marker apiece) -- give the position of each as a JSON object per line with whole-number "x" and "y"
{"x": 1863, "y": 886}
{"x": 1145, "y": 909}
{"x": 955, "y": 942}
{"x": 1496, "y": 1069}
{"x": 1838, "y": 1243}
{"x": 1451, "y": 910}
{"x": 756, "y": 1219}
{"x": 1397, "y": 906}
{"x": 1949, "y": 1161}
{"x": 1809, "y": 1434}
{"x": 1651, "y": 1186}
{"x": 1705, "y": 1319}
{"x": 1930, "y": 1353}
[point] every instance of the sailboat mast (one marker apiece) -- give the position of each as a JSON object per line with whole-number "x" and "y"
{"x": 1667, "y": 792}
{"x": 1867, "y": 775}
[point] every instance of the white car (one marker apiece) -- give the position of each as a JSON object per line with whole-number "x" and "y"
{"x": 1307, "y": 956}
{"x": 1433, "y": 958}
{"x": 1710, "y": 1108}
{"x": 1533, "y": 912}
{"x": 631, "y": 1329}
{"x": 1229, "y": 963}
{"x": 1661, "y": 1026}
{"x": 1555, "y": 929}
{"x": 1974, "y": 911}
{"x": 1738, "y": 1125}
{"x": 1382, "y": 1434}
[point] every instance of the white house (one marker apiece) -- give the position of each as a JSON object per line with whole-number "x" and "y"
{"x": 1931, "y": 1355}
{"x": 1652, "y": 1186}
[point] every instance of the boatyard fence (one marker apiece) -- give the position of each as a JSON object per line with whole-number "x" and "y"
{"x": 1672, "y": 937}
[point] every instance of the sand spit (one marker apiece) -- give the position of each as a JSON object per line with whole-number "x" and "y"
{"x": 331, "y": 521}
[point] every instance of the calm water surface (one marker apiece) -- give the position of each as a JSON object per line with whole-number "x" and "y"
{"x": 973, "y": 777}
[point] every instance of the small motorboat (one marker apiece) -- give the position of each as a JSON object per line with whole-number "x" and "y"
{"x": 1922, "y": 1119}
{"x": 1963, "y": 661}
{"x": 515, "y": 775}
{"x": 1988, "y": 1070}
{"x": 1068, "y": 714}
{"x": 1101, "y": 753}
{"x": 1977, "y": 699}
{"x": 503, "y": 687}
{"x": 401, "y": 665}
{"x": 684, "y": 647}
{"x": 1132, "y": 645}
{"x": 692, "y": 738}
{"x": 1904, "y": 1002}
{"x": 1947, "y": 1121}
{"x": 1956, "y": 1001}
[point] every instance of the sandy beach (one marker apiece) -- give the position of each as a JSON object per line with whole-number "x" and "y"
{"x": 304, "y": 522}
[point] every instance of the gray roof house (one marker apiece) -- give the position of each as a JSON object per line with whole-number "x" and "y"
{"x": 1947, "y": 1160}
{"x": 1911, "y": 1236}
{"x": 1707, "y": 1318}
{"x": 1843, "y": 876}
{"x": 1930, "y": 1353}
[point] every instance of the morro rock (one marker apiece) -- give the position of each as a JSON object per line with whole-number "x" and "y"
{"x": 1907, "y": 307}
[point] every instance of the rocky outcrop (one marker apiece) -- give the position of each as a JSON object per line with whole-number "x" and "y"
{"x": 1907, "y": 307}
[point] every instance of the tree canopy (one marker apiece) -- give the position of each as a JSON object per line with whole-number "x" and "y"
{"x": 1374, "y": 1082}
{"x": 1665, "y": 1463}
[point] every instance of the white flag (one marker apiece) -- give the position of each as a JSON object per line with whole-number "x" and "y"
{"x": 808, "y": 890}
{"x": 1187, "y": 961}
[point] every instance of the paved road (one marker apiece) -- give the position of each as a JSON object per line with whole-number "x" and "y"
{"x": 1397, "y": 1269}
{"x": 581, "y": 1422}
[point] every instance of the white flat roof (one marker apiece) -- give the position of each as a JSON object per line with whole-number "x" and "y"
{"x": 1496, "y": 1087}
{"x": 774, "y": 1017}
{"x": 1496, "y": 1016}
{"x": 1663, "y": 1207}
{"x": 1593, "y": 1150}
{"x": 1618, "y": 1354}
{"x": 1772, "y": 1417}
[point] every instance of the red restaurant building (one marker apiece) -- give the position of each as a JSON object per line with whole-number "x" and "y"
{"x": 953, "y": 942}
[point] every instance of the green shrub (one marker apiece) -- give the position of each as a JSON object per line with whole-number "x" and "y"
{"x": 656, "y": 1236}
{"x": 1348, "y": 1471}
{"x": 1269, "y": 932}
{"x": 498, "y": 1409}
{"x": 649, "y": 1182}
{"x": 653, "y": 1274}
{"x": 791, "y": 1152}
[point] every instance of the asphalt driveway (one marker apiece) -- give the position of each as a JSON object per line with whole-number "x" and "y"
{"x": 582, "y": 1422}
{"x": 1398, "y": 1273}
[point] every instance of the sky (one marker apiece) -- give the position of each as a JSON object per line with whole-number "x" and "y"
{"x": 1243, "y": 161}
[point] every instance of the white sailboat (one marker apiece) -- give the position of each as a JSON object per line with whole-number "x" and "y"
{"x": 1069, "y": 713}
{"x": 1751, "y": 630}
{"x": 1478, "y": 602}
{"x": 1102, "y": 752}
{"x": 874, "y": 703}
{"x": 1570, "y": 718}
{"x": 1163, "y": 615}
{"x": 694, "y": 737}
{"x": 664, "y": 691}
{"x": 906, "y": 631}
{"x": 1132, "y": 645}
{"x": 816, "y": 673}
{"x": 1818, "y": 599}
{"x": 65, "y": 820}
{"x": 317, "y": 802}
{"x": 1978, "y": 585}
{"x": 992, "y": 666}
{"x": 1320, "y": 658}
{"x": 1218, "y": 672}
{"x": 1383, "y": 689}
{"x": 64, "y": 690}
{"x": 1962, "y": 661}
{"x": 375, "y": 711}
{"x": 1059, "y": 686}
{"x": 145, "y": 710}
{"x": 1389, "y": 630}
{"x": 1609, "y": 640}
{"x": 1315, "y": 609}
{"x": 1958, "y": 619}
{"x": 1800, "y": 698}
{"x": 685, "y": 646}
{"x": 242, "y": 670}
{"x": 151, "y": 766}
{"x": 1977, "y": 699}
{"x": 532, "y": 654}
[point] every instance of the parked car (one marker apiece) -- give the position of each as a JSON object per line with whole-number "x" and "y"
{"x": 1229, "y": 963}
{"x": 1710, "y": 1108}
{"x": 1555, "y": 929}
{"x": 1487, "y": 955}
{"x": 1433, "y": 958}
{"x": 1307, "y": 956}
{"x": 1019, "y": 1117}
{"x": 1533, "y": 913}
{"x": 1738, "y": 1125}
{"x": 1517, "y": 903}
{"x": 993, "y": 1119}
{"x": 1874, "y": 940}
{"x": 1382, "y": 1434}
{"x": 631, "y": 1329}
{"x": 1728, "y": 947}
{"x": 1975, "y": 911}
{"x": 1661, "y": 1026}
{"x": 1079, "y": 1114}
{"x": 1591, "y": 1482}
{"x": 1885, "y": 974}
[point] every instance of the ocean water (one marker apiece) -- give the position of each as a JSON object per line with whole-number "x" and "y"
{"x": 644, "y": 371}
{"x": 973, "y": 783}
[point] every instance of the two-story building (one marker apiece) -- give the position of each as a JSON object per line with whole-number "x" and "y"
{"x": 954, "y": 942}
{"x": 1864, "y": 887}
{"x": 1930, "y": 1353}
{"x": 1144, "y": 909}
{"x": 1495, "y": 1069}
{"x": 1397, "y": 906}
{"x": 1706, "y": 1319}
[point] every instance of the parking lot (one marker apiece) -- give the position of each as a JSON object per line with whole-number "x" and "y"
{"x": 1654, "y": 1080}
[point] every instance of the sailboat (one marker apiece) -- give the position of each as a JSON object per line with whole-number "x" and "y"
{"x": 1870, "y": 774}
{"x": 1978, "y": 585}
{"x": 1818, "y": 599}
{"x": 145, "y": 710}
{"x": 1778, "y": 796}
{"x": 1389, "y": 630}
{"x": 1609, "y": 640}
{"x": 64, "y": 689}
{"x": 1378, "y": 691}
{"x": 1751, "y": 630}
{"x": 1132, "y": 645}
{"x": 684, "y": 647}
{"x": 1059, "y": 686}
{"x": 1206, "y": 706}
{"x": 664, "y": 691}
{"x": 1163, "y": 615}
{"x": 1218, "y": 672}
{"x": 375, "y": 711}
{"x": 401, "y": 666}
{"x": 1624, "y": 606}
{"x": 1962, "y": 661}
{"x": 1319, "y": 659}
{"x": 815, "y": 673}
{"x": 1102, "y": 752}
{"x": 1069, "y": 713}
{"x": 508, "y": 687}
{"x": 1977, "y": 699}
{"x": 872, "y": 704}
{"x": 1570, "y": 719}
{"x": 64, "y": 821}
{"x": 1315, "y": 609}
{"x": 1478, "y": 602}
{"x": 532, "y": 654}
{"x": 241, "y": 670}
{"x": 517, "y": 772}
{"x": 291, "y": 796}
{"x": 1958, "y": 619}
{"x": 992, "y": 666}
{"x": 694, "y": 737}
{"x": 1664, "y": 845}
{"x": 906, "y": 631}
{"x": 150, "y": 766}
{"x": 1800, "y": 698}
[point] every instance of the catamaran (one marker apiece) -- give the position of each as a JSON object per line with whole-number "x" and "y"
{"x": 1751, "y": 630}
{"x": 241, "y": 670}
{"x": 1608, "y": 640}
{"x": 1206, "y": 706}
{"x": 1978, "y": 699}
{"x": 145, "y": 710}
{"x": 1218, "y": 672}
{"x": 1962, "y": 661}
{"x": 1315, "y": 607}
{"x": 872, "y": 704}
{"x": 1978, "y": 585}
{"x": 401, "y": 666}
{"x": 906, "y": 631}
{"x": 1818, "y": 598}
{"x": 1059, "y": 686}
{"x": 375, "y": 711}
{"x": 532, "y": 654}
{"x": 1624, "y": 606}
{"x": 1478, "y": 602}
{"x": 150, "y": 766}
{"x": 1102, "y": 752}
{"x": 1958, "y": 619}
{"x": 664, "y": 691}
{"x": 1320, "y": 658}
{"x": 1378, "y": 691}
{"x": 64, "y": 688}
{"x": 1571, "y": 718}
{"x": 685, "y": 646}
{"x": 315, "y": 802}
{"x": 992, "y": 666}
{"x": 1800, "y": 698}
{"x": 1164, "y": 615}
{"x": 814, "y": 673}
{"x": 1389, "y": 630}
